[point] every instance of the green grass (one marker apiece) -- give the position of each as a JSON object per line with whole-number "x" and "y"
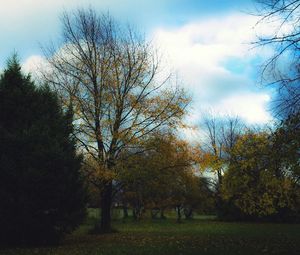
{"x": 199, "y": 236}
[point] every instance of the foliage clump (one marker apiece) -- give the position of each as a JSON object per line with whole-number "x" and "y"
{"x": 260, "y": 183}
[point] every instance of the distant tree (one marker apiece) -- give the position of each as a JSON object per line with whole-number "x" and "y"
{"x": 255, "y": 186}
{"x": 188, "y": 195}
{"x": 199, "y": 196}
{"x": 220, "y": 136}
{"x": 116, "y": 83}
{"x": 41, "y": 191}
{"x": 158, "y": 178}
{"x": 282, "y": 69}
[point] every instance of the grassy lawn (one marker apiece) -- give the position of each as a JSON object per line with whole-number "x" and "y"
{"x": 199, "y": 236}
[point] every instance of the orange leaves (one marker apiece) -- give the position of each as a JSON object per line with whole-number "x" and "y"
{"x": 162, "y": 173}
{"x": 96, "y": 170}
{"x": 210, "y": 161}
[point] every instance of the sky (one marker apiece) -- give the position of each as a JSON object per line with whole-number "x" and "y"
{"x": 206, "y": 42}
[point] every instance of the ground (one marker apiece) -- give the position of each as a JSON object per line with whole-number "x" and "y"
{"x": 202, "y": 235}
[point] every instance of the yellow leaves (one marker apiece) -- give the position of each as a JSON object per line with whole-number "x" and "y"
{"x": 210, "y": 161}
{"x": 253, "y": 182}
{"x": 267, "y": 204}
{"x": 161, "y": 174}
{"x": 97, "y": 170}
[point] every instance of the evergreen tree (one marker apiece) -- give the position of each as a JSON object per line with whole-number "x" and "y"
{"x": 41, "y": 190}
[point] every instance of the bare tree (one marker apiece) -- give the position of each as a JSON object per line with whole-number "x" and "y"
{"x": 220, "y": 136}
{"x": 283, "y": 68}
{"x": 113, "y": 79}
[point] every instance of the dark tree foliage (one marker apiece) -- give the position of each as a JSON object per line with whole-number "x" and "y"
{"x": 282, "y": 70}
{"x": 287, "y": 146}
{"x": 41, "y": 190}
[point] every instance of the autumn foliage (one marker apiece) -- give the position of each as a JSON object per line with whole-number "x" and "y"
{"x": 258, "y": 183}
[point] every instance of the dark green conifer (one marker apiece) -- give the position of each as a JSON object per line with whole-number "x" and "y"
{"x": 41, "y": 190}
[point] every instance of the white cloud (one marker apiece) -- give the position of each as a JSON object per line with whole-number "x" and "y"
{"x": 205, "y": 44}
{"x": 250, "y": 107}
{"x": 215, "y": 61}
{"x": 34, "y": 65}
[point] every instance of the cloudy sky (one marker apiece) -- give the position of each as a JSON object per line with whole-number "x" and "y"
{"x": 206, "y": 42}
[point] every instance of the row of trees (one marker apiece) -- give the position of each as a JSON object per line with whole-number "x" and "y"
{"x": 258, "y": 170}
{"x": 164, "y": 177}
{"x": 256, "y": 173}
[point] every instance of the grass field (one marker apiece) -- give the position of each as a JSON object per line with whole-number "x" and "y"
{"x": 202, "y": 235}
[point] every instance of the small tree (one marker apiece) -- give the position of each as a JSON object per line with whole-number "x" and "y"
{"x": 41, "y": 191}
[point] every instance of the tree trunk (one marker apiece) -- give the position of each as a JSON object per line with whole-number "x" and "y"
{"x": 178, "y": 208}
{"x": 188, "y": 213}
{"x": 137, "y": 212}
{"x": 125, "y": 211}
{"x": 162, "y": 214}
{"x": 154, "y": 213}
{"x": 219, "y": 173}
{"x": 106, "y": 201}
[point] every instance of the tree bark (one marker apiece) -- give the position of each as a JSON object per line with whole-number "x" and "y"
{"x": 134, "y": 213}
{"x": 178, "y": 208}
{"x": 162, "y": 214}
{"x": 188, "y": 213}
{"x": 154, "y": 213}
{"x": 106, "y": 201}
{"x": 137, "y": 212}
{"x": 125, "y": 211}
